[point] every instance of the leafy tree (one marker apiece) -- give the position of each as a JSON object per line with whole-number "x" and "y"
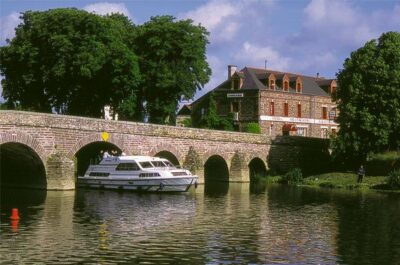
{"x": 70, "y": 61}
{"x": 369, "y": 99}
{"x": 211, "y": 120}
{"x": 172, "y": 62}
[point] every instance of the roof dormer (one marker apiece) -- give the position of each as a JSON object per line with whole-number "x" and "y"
{"x": 285, "y": 83}
{"x": 328, "y": 85}
{"x": 236, "y": 81}
{"x": 271, "y": 81}
{"x": 333, "y": 87}
{"x": 299, "y": 85}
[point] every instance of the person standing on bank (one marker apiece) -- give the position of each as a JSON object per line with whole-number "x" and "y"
{"x": 361, "y": 174}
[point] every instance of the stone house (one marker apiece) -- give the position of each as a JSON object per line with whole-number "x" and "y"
{"x": 281, "y": 103}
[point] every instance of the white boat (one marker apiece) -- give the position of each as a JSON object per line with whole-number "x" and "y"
{"x": 140, "y": 173}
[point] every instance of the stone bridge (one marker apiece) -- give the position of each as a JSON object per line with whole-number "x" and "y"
{"x": 48, "y": 151}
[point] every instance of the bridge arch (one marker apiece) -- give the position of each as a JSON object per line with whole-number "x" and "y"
{"x": 22, "y": 161}
{"x": 93, "y": 138}
{"x": 23, "y": 138}
{"x": 167, "y": 151}
{"x": 257, "y": 168}
{"x": 216, "y": 169}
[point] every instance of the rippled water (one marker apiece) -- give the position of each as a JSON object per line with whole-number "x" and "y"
{"x": 211, "y": 225}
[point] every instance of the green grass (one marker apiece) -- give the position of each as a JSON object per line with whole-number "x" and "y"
{"x": 344, "y": 180}
{"x": 393, "y": 155}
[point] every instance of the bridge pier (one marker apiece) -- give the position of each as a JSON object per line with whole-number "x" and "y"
{"x": 60, "y": 172}
{"x": 239, "y": 171}
{"x": 194, "y": 163}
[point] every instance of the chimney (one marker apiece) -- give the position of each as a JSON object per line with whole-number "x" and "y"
{"x": 231, "y": 70}
{"x": 317, "y": 75}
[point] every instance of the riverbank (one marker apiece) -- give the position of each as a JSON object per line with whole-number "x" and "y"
{"x": 340, "y": 180}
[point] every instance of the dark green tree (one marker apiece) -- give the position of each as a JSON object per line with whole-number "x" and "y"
{"x": 211, "y": 120}
{"x": 369, "y": 99}
{"x": 70, "y": 61}
{"x": 172, "y": 59}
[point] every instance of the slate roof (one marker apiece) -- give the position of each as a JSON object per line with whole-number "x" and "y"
{"x": 255, "y": 78}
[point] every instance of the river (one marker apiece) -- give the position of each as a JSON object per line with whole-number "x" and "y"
{"x": 235, "y": 224}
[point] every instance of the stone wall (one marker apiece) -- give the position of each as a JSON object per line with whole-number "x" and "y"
{"x": 311, "y": 118}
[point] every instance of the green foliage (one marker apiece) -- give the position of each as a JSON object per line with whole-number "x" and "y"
{"x": 172, "y": 58}
{"x": 252, "y": 127}
{"x": 369, "y": 100}
{"x": 187, "y": 122}
{"x": 211, "y": 120}
{"x": 393, "y": 180}
{"x": 74, "y": 62}
{"x": 294, "y": 176}
{"x": 70, "y": 61}
{"x": 382, "y": 163}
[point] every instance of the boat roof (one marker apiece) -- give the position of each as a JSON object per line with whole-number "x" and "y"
{"x": 116, "y": 159}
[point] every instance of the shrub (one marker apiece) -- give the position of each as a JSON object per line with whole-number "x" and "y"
{"x": 252, "y": 127}
{"x": 393, "y": 180}
{"x": 294, "y": 176}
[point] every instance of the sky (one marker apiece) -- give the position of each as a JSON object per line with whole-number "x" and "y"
{"x": 297, "y": 36}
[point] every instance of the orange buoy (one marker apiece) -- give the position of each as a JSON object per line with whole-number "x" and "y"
{"x": 14, "y": 214}
{"x": 14, "y": 225}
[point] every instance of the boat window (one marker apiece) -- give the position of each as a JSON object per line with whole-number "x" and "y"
{"x": 127, "y": 166}
{"x": 168, "y": 164}
{"x": 99, "y": 174}
{"x": 145, "y": 164}
{"x": 158, "y": 164}
{"x": 147, "y": 175}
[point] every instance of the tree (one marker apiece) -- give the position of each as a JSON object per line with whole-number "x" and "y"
{"x": 369, "y": 99}
{"x": 172, "y": 62}
{"x": 70, "y": 61}
{"x": 211, "y": 120}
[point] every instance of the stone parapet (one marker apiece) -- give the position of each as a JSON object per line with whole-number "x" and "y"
{"x": 33, "y": 119}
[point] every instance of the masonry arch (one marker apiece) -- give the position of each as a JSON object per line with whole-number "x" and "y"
{"x": 92, "y": 153}
{"x": 216, "y": 169}
{"x": 257, "y": 168}
{"x": 170, "y": 156}
{"x": 168, "y": 151}
{"x": 96, "y": 138}
{"x": 21, "y": 166}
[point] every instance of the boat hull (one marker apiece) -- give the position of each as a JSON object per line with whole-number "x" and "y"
{"x": 177, "y": 184}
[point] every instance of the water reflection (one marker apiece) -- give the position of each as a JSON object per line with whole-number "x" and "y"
{"x": 228, "y": 224}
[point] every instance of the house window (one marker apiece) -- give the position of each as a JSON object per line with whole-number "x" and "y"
{"x": 298, "y": 88}
{"x": 272, "y": 84}
{"x": 324, "y": 113}
{"x": 286, "y": 85}
{"x": 333, "y": 90}
{"x": 236, "y": 84}
{"x": 299, "y": 110}
{"x": 286, "y": 109}
{"x": 235, "y": 106}
{"x": 272, "y": 109}
{"x": 301, "y": 131}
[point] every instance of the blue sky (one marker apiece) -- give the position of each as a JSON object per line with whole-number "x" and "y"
{"x": 300, "y": 36}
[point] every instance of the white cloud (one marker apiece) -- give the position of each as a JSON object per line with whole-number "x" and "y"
{"x": 105, "y": 8}
{"x": 218, "y": 17}
{"x": 8, "y": 25}
{"x": 255, "y": 55}
{"x": 224, "y": 18}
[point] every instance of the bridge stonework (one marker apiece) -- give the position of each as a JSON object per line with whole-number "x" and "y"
{"x": 57, "y": 138}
